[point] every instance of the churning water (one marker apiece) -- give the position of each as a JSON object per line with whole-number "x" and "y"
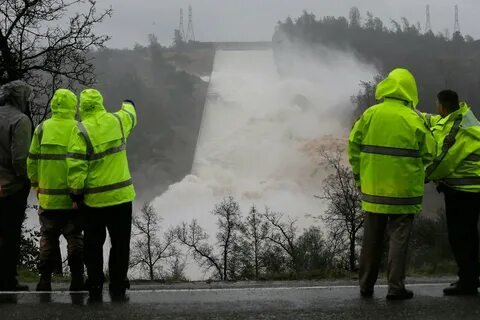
{"x": 260, "y": 133}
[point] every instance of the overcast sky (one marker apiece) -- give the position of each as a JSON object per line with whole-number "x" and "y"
{"x": 251, "y": 20}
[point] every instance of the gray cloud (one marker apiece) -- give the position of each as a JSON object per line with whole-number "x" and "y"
{"x": 249, "y": 20}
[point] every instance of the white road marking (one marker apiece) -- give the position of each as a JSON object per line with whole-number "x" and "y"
{"x": 233, "y": 289}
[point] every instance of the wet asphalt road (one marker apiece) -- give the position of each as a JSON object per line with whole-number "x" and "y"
{"x": 280, "y": 302}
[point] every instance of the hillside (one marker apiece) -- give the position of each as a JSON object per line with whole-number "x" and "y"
{"x": 437, "y": 61}
{"x": 170, "y": 106}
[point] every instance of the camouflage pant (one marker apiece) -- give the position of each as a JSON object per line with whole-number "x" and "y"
{"x": 55, "y": 223}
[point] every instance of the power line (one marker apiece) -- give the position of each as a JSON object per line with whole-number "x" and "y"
{"x": 181, "y": 29}
{"x": 190, "y": 31}
{"x": 428, "y": 25}
{"x": 456, "y": 27}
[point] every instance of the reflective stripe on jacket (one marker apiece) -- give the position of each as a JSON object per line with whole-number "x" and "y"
{"x": 389, "y": 148}
{"x": 97, "y": 157}
{"x": 430, "y": 119}
{"x": 457, "y": 163}
{"x": 47, "y": 161}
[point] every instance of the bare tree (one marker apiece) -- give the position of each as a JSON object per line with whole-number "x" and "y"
{"x": 355, "y": 17}
{"x": 29, "y": 249}
{"x": 275, "y": 260}
{"x": 36, "y": 48}
{"x": 344, "y": 215}
{"x": 255, "y": 231}
{"x": 176, "y": 270}
{"x": 313, "y": 251}
{"x": 196, "y": 240}
{"x": 229, "y": 225}
{"x": 366, "y": 96}
{"x": 283, "y": 234}
{"x": 148, "y": 248}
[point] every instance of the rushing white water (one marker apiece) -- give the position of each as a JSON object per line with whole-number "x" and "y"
{"x": 259, "y": 135}
{"x": 259, "y": 138}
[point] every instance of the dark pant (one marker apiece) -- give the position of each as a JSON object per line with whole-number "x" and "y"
{"x": 12, "y": 215}
{"x": 118, "y": 221}
{"x": 399, "y": 227}
{"x": 462, "y": 210}
{"x": 54, "y": 223}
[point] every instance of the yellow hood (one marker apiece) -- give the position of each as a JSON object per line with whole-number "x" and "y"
{"x": 400, "y": 84}
{"x": 64, "y": 104}
{"x": 91, "y": 103}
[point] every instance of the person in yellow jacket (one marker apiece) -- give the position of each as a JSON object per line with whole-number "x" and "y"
{"x": 389, "y": 148}
{"x": 47, "y": 171}
{"x": 456, "y": 169}
{"x": 101, "y": 186}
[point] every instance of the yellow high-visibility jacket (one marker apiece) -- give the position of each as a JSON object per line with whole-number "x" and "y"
{"x": 97, "y": 162}
{"x": 389, "y": 148}
{"x": 47, "y": 160}
{"x": 457, "y": 163}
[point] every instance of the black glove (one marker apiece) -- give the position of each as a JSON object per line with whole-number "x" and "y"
{"x": 440, "y": 187}
{"x": 77, "y": 198}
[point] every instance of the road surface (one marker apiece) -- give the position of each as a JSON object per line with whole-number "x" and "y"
{"x": 281, "y": 301}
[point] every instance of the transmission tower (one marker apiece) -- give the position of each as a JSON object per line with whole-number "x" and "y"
{"x": 181, "y": 29}
{"x": 428, "y": 25}
{"x": 190, "y": 31}
{"x": 456, "y": 27}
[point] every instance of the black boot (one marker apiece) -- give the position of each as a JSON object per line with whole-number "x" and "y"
{"x": 456, "y": 282}
{"x": 45, "y": 283}
{"x": 117, "y": 292}
{"x": 366, "y": 293}
{"x": 403, "y": 294}
{"x": 460, "y": 289}
{"x": 118, "y": 296}
{"x": 95, "y": 293}
{"x": 77, "y": 283}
